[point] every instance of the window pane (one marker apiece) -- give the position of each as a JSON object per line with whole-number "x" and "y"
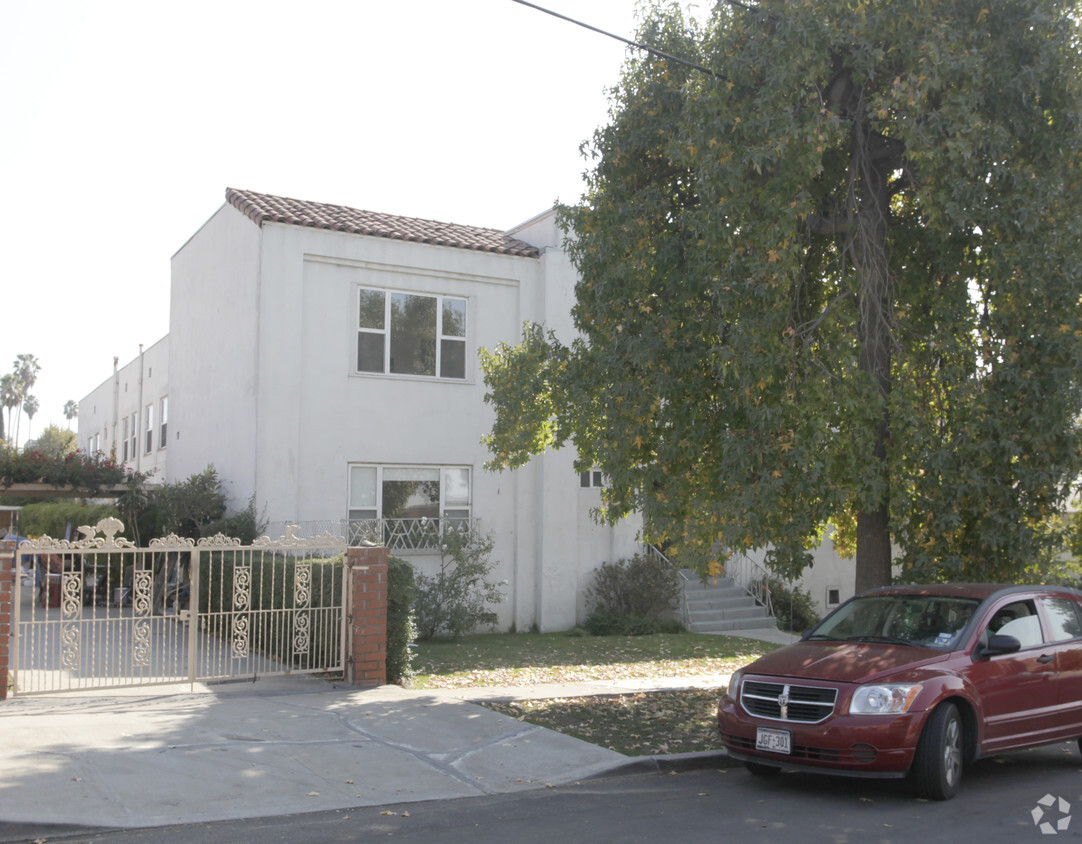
{"x": 452, "y": 359}
{"x": 454, "y": 317}
{"x": 411, "y": 493}
{"x": 362, "y": 487}
{"x": 371, "y": 310}
{"x": 1064, "y": 618}
{"x": 456, "y": 488}
{"x": 369, "y": 352}
{"x": 413, "y": 334}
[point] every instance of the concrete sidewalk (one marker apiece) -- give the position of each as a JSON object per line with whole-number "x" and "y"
{"x": 283, "y": 745}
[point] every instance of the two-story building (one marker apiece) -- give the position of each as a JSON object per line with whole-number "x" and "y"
{"x": 325, "y": 360}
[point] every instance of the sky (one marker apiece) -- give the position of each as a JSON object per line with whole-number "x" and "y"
{"x": 123, "y": 123}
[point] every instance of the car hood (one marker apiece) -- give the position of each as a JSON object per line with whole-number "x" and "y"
{"x": 842, "y": 662}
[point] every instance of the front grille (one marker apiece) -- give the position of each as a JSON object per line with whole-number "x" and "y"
{"x": 815, "y": 754}
{"x": 785, "y": 702}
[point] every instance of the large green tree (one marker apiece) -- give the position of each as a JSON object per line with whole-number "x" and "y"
{"x": 832, "y": 276}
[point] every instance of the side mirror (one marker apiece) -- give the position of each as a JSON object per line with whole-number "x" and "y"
{"x": 998, "y": 644}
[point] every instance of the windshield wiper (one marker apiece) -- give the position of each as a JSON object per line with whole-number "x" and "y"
{"x": 886, "y": 640}
{"x": 823, "y": 637}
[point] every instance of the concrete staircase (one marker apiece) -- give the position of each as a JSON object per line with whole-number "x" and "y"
{"x": 721, "y": 606}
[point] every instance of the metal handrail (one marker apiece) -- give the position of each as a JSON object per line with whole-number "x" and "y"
{"x": 751, "y": 577}
{"x": 685, "y": 610}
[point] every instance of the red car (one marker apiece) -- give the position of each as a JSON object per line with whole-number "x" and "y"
{"x": 914, "y": 680}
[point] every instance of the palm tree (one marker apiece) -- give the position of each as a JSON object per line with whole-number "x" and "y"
{"x": 30, "y": 407}
{"x": 9, "y": 398}
{"x": 26, "y": 374}
{"x": 71, "y": 409}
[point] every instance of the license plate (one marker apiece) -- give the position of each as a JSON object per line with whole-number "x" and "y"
{"x": 775, "y": 741}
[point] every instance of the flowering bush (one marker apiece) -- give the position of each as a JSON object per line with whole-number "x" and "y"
{"x": 84, "y": 472}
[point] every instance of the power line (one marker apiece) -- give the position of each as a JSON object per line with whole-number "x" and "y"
{"x": 652, "y": 50}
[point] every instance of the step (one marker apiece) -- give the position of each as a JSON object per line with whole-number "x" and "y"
{"x": 733, "y": 603}
{"x": 734, "y": 625}
{"x": 742, "y": 612}
{"x": 720, "y": 606}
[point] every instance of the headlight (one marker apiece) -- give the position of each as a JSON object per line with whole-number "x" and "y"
{"x": 734, "y": 684}
{"x": 884, "y": 699}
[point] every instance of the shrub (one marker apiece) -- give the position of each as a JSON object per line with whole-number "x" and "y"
{"x": 612, "y": 623}
{"x": 631, "y": 597}
{"x": 456, "y": 599}
{"x": 401, "y": 628}
{"x": 645, "y": 585}
{"x": 793, "y": 607}
{"x": 52, "y": 518}
{"x": 246, "y": 525}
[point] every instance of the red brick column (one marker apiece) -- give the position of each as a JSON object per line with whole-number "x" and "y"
{"x": 7, "y": 611}
{"x": 367, "y": 640}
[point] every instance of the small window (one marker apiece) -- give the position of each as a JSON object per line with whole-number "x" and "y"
{"x": 164, "y": 424}
{"x": 1064, "y": 618}
{"x": 134, "y": 435}
{"x": 593, "y": 479}
{"x": 124, "y": 440}
{"x": 149, "y": 445}
{"x": 833, "y": 597}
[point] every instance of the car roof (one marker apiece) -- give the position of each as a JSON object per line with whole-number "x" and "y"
{"x": 979, "y": 591}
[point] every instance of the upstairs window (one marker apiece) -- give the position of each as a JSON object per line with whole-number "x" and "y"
{"x": 149, "y": 445}
{"x": 163, "y": 428}
{"x": 411, "y": 334}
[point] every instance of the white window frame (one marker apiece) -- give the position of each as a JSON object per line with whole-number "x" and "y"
{"x": 440, "y": 337}
{"x": 368, "y": 508}
{"x": 124, "y": 439}
{"x": 592, "y": 479}
{"x": 148, "y": 446}
{"x": 134, "y": 435}
{"x": 163, "y": 423}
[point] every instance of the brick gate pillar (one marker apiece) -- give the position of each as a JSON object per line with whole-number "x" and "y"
{"x": 7, "y": 612}
{"x": 367, "y": 645}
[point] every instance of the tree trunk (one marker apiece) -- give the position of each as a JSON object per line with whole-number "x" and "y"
{"x": 871, "y": 204}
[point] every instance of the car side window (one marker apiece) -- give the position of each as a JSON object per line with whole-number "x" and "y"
{"x": 1063, "y": 616}
{"x": 1020, "y": 620}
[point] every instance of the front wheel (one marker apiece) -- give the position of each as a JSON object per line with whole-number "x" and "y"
{"x": 937, "y": 767}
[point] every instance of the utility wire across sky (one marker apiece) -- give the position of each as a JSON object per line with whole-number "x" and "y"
{"x": 640, "y": 45}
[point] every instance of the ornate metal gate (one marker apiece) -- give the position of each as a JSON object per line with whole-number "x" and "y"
{"x": 99, "y": 612}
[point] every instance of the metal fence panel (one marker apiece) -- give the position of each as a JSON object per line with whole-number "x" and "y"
{"x": 99, "y": 612}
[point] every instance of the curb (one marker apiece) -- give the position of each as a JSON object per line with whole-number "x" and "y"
{"x": 672, "y": 763}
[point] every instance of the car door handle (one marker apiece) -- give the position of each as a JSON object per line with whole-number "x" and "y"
{"x": 1045, "y": 658}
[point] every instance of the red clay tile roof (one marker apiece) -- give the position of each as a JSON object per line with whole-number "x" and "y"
{"x": 262, "y": 208}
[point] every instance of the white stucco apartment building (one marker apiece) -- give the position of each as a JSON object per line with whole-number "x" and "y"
{"x": 325, "y": 360}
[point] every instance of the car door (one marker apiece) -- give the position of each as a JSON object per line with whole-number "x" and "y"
{"x": 1019, "y": 701}
{"x": 1063, "y": 620}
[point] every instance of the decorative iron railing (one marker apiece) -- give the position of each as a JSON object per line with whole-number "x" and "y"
{"x": 403, "y": 535}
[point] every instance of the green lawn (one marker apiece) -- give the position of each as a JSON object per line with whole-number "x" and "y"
{"x": 636, "y": 724}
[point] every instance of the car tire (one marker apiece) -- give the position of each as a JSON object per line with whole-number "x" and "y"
{"x": 762, "y": 770}
{"x": 937, "y": 767}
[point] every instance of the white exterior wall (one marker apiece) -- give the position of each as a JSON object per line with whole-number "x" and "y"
{"x": 134, "y": 390}
{"x": 263, "y": 346}
{"x": 214, "y": 336}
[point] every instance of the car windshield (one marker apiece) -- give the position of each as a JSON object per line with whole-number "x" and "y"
{"x": 927, "y": 621}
